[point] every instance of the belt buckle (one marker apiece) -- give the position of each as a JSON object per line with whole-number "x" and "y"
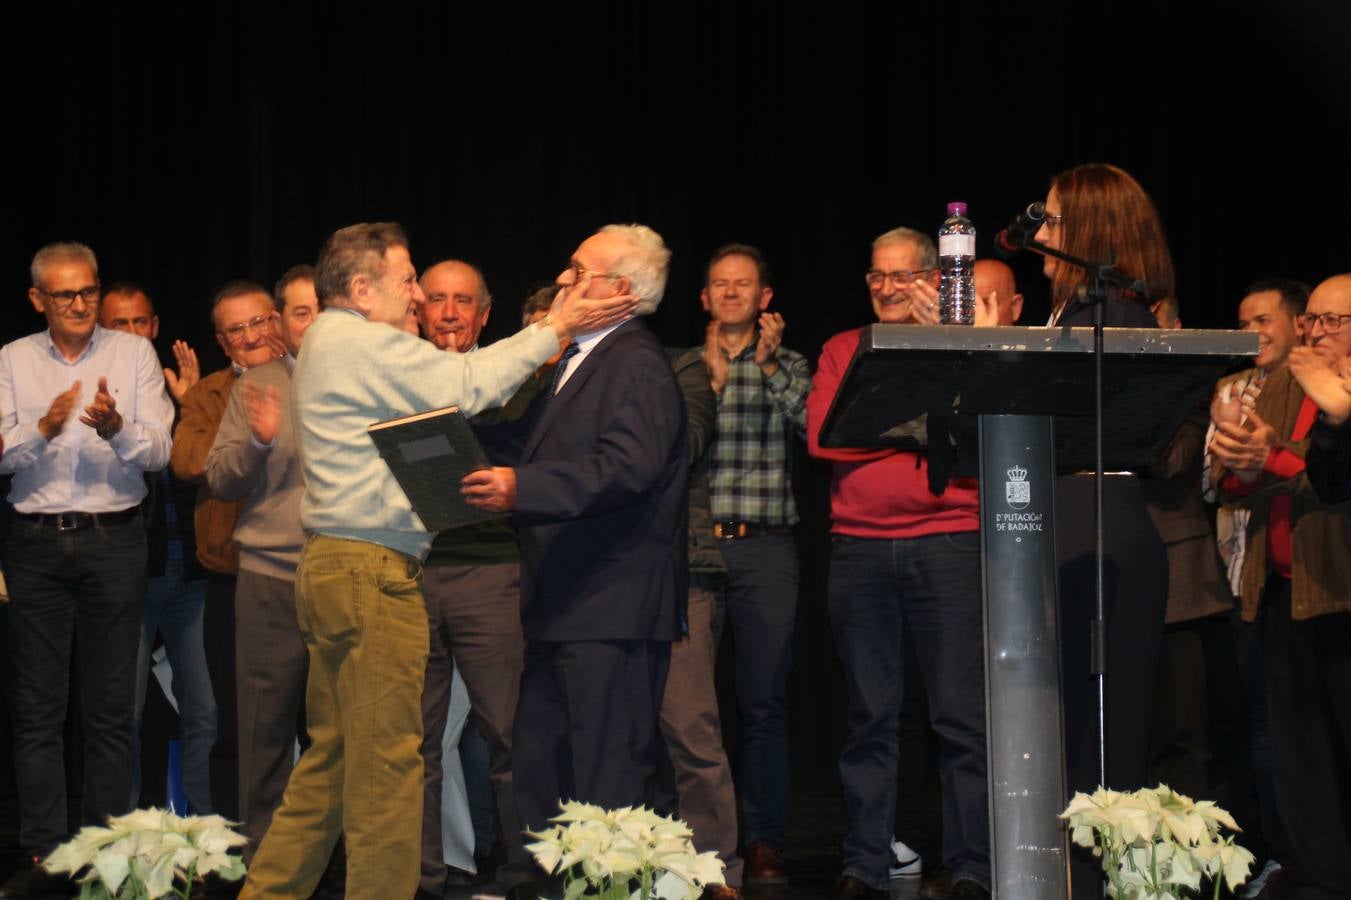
{"x": 67, "y": 522}
{"x": 729, "y": 531}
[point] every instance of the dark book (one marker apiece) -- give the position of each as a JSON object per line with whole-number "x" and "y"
{"x": 429, "y": 453}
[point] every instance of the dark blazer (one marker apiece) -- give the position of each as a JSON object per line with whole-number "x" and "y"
{"x": 601, "y": 499}
{"x": 1197, "y": 586}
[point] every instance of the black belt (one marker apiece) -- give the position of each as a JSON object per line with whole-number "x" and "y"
{"x": 74, "y": 521}
{"x": 731, "y": 530}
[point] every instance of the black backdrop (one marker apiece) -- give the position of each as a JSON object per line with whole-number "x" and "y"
{"x": 216, "y": 142}
{"x": 193, "y": 144}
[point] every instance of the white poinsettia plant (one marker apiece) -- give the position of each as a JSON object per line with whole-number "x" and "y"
{"x": 1156, "y": 844}
{"x": 623, "y": 854}
{"x": 148, "y": 853}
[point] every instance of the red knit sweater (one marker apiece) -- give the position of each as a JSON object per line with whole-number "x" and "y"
{"x": 881, "y": 493}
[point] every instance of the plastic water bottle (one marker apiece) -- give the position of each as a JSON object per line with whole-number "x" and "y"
{"x": 957, "y": 260}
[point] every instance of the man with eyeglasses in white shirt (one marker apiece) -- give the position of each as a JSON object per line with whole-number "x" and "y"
{"x": 83, "y": 416}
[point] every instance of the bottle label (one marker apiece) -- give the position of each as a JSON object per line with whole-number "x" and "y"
{"x": 956, "y": 245}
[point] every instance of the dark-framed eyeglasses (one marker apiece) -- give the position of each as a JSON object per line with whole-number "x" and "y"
{"x": 235, "y": 333}
{"x": 62, "y": 300}
{"x": 1332, "y": 322}
{"x": 900, "y": 278}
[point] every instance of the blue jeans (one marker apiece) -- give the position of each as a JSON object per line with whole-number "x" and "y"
{"x": 760, "y": 600}
{"x": 931, "y": 586}
{"x": 175, "y": 608}
{"x": 72, "y": 589}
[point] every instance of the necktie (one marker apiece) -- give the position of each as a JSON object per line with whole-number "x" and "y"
{"x": 568, "y": 353}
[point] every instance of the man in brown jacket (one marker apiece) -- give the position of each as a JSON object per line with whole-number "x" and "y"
{"x": 245, "y": 321}
{"x": 1297, "y": 579}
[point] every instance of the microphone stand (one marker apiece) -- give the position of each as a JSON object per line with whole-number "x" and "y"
{"x": 1102, "y": 275}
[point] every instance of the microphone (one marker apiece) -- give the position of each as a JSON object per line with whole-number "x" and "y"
{"x": 1012, "y": 239}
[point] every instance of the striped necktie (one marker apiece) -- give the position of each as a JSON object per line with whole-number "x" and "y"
{"x": 568, "y": 353}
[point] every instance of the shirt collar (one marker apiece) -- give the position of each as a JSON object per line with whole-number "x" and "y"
{"x": 94, "y": 338}
{"x": 748, "y": 349}
{"x": 587, "y": 341}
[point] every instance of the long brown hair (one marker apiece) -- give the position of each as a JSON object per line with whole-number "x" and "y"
{"x": 1109, "y": 218}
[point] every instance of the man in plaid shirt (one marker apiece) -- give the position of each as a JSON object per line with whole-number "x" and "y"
{"x": 761, "y": 390}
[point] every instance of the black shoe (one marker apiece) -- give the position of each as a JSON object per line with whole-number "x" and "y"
{"x": 32, "y": 882}
{"x": 966, "y": 889}
{"x": 526, "y": 890}
{"x": 213, "y": 887}
{"x": 851, "y": 888}
{"x": 1279, "y": 886}
{"x": 936, "y": 885}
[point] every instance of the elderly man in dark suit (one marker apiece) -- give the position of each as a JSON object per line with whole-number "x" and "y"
{"x": 599, "y": 498}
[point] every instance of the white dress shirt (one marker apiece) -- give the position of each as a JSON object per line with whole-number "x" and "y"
{"x": 585, "y": 344}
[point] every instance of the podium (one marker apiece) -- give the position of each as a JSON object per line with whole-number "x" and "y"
{"x": 1031, "y": 390}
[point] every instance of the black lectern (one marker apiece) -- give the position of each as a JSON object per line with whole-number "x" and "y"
{"x": 1032, "y": 389}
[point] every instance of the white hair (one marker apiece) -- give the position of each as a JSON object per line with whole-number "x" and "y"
{"x": 69, "y": 251}
{"x": 645, "y": 266}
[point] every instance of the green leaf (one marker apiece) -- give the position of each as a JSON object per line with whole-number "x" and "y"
{"x": 575, "y": 889}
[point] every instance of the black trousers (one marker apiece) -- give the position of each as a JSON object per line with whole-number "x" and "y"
{"x": 78, "y": 592}
{"x": 1308, "y": 668}
{"x": 219, "y": 631}
{"x": 1135, "y": 587}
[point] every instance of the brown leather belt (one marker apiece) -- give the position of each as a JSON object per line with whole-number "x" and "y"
{"x": 732, "y": 530}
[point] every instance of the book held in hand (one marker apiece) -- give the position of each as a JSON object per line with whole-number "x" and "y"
{"x": 428, "y": 453}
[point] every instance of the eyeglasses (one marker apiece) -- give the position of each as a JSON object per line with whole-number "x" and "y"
{"x": 1052, "y": 221}
{"x": 63, "y": 299}
{"x": 900, "y": 279}
{"x": 1332, "y": 322}
{"x": 235, "y": 333}
{"x": 578, "y": 270}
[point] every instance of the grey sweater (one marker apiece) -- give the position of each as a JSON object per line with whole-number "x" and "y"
{"x": 268, "y": 478}
{"x": 353, "y": 373}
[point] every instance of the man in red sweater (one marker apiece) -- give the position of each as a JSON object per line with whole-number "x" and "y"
{"x": 904, "y": 558}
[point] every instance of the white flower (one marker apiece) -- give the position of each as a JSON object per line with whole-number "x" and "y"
{"x": 146, "y": 852}
{"x": 617, "y": 849}
{"x": 1155, "y": 842}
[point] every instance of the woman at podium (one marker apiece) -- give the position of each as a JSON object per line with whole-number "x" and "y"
{"x": 1099, "y": 212}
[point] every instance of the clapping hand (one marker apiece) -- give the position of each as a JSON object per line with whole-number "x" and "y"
{"x": 263, "y": 410}
{"x": 1328, "y": 385}
{"x": 102, "y": 414}
{"x": 52, "y": 424}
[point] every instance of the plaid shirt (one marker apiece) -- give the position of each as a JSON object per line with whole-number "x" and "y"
{"x": 750, "y": 462}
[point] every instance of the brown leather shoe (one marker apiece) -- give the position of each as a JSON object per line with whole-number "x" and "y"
{"x": 850, "y": 888}
{"x": 764, "y": 863}
{"x": 722, "y": 892}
